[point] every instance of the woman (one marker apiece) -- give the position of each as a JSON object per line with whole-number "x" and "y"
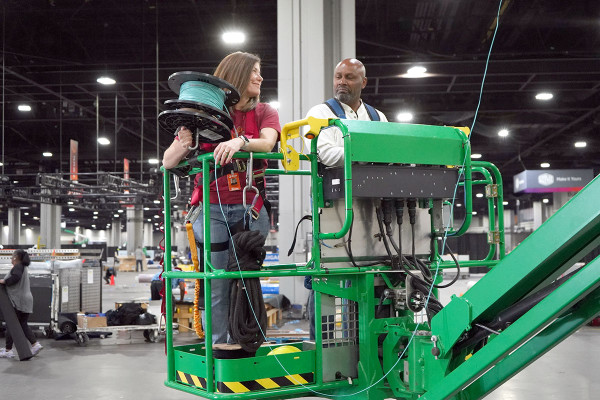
{"x": 19, "y": 293}
{"x": 256, "y": 130}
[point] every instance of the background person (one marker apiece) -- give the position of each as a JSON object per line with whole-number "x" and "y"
{"x": 139, "y": 259}
{"x": 256, "y": 130}
{"x": 19, "y": 293}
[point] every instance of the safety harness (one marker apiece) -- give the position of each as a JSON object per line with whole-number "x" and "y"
{"x": 336, "y": 107}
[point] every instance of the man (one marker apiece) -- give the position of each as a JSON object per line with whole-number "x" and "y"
{"x": 157, "y": 285}
{"x": 349, "y": 79}
{"x": 139, "y": 259}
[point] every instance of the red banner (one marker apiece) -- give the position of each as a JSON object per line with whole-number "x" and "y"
{"x": 73, "y": 160}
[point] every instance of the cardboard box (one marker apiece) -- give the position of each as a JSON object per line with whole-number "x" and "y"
{"x": 89, "y": 322}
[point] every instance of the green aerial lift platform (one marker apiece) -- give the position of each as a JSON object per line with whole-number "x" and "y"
{"x": 380, "y": 332}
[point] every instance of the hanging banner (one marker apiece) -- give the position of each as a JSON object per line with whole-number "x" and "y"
{"x": 552, "y": 180}
{"x": 125, "y": 168}
{"x": 73, "y": 160}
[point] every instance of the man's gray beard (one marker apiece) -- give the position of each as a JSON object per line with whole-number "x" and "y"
{"x": 345, "y": 98}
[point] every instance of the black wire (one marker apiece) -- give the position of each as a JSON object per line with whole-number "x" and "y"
{"x": 457, "y": 272}
{"x": 383, "y": 237}
{"x": 349, "y": 251}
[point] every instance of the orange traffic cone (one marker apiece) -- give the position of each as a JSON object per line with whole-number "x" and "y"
{"x": 112, "y": 280}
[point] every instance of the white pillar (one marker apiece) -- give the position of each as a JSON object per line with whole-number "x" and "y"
{"x": 14, "y": 225}
{"x": 50, "y": 220}
{"x": 312, "y": 37}
{"x": 537, "y": 214}
{"x": 115, "y": 233}
{"x": 135, "y": 219}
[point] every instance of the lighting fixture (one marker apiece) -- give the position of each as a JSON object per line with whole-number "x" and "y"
{"x": 156, "y": 201}
{"x": 544, "y": 96}
{"x": 545, "y": 201}
{"x": 474, "y": 213}
{"x": 120, "y": 210}
{"x": 479, "y": 195}
{"x": 47, "y": 154}
{"x": 71, "y": 209}
{"x": 417, "y": 71}
{"x": 103, "y": 141}
{"x": 95, "y": 212}
{"x": 503, "y": 132}
{"x": 476, "y": 155}
{"x": 24, "y": 107}
{"x": 545, "y": 165}
{"x": 234, "y": 37}
{"x": 404, "y": 116}
{"x": 153, "y": 161}
{"x": 105, "y": 80}
{"x": 505, "y": 203}
{"x": 580, "y": 144}
{"x": 116, "y": 215}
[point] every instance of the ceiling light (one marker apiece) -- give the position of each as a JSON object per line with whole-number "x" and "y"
{"x": 503, "y": 132}
{"x": 119, "y": 210}
{"x": 71, "y": 209}
{"x": 275, "y": 104}
{"x": 157, "y": 216}
{"x": 69, "y": 202}
{"x": 234, "y": 37}
{"x": 24, "y": 107}
{"x": 1, "y": 164}
{"x": 149, "y": 220}
{"x": 474, "y": 213}
{"x": 103, "y": 141}
{"x": 479, "y": 195}
{"x": 95, "y": 212}
{"x": 544, "y": 96}
{"x": 545, "y": 201}
{"x": 580, "y": 144}
{"x": 146, "y": 208}
{"x": 156, "y": 201}
{"x": 458, "y": 205}
{"x": 404, "y": 116}
{"x": 545, "y": 165}
{"x": 153, "y": 161}
{"x": 36, "y": 218}
{"x": 95, "y": 217}
{"x": 476, "y": 155}
{"x": 416, "y": 72}
{"x": 505, "y": 203}
{"x": 25, "y": 213}
{"x": 116, "y": 215}
{"x": 47, "y": 154}
{"x": 105, "y": 80}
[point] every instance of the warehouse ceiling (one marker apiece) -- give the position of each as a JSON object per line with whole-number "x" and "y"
{"x": 54, "y": 50}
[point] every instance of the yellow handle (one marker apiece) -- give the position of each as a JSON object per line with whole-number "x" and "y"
{"x": 291, "y": 130}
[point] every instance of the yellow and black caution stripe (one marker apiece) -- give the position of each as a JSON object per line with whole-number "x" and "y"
{"x": 191, "y": 380}
{"x": 265, "y": 383}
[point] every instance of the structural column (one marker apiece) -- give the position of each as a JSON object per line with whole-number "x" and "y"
{"x": 312, "y": 37}
{"x": 14, "y": 225}
{"x": 50, "y": 220}
{"x": 115, "y": 233}
{"x": 135, "y": 228}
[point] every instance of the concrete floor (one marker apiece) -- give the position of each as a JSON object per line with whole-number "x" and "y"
{"x": 126, "y": 367}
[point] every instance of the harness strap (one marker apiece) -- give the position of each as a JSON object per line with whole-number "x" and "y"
{"x": 197, "y": 283}
{"x": 336, "y": 107}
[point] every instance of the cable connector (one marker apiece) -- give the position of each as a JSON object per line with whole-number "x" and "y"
{"x": 399, "y": 211}
{"x": 412, "y": 210}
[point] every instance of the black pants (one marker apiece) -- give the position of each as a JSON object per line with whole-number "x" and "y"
{"x": 140, "y": 264}
{"x": 23, "y": 318}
